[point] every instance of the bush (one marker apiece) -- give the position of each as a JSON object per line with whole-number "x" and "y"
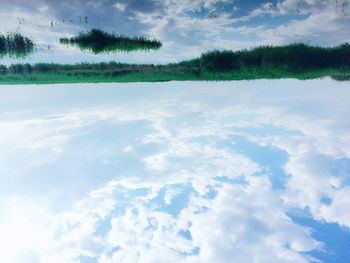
{"x": 220, "y": 60}
{"x": 293, "y": 57}
{"x": 3, "y": 70}
{"x": 16, "y": 69}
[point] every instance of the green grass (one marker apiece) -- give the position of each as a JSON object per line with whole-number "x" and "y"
{"x": 98, "y": 41}
{"x": 162, "y": 75}
{"x": 292, "y": 61}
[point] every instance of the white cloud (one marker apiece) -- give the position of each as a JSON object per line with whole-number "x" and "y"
{"x": 336, "y": 211}
{"x": 121, "y": 7}
{"x": 244, "y": 231}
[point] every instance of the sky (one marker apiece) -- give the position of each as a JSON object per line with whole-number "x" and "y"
{"x": 249, "y": 171}
{"x": 186, "y": 28}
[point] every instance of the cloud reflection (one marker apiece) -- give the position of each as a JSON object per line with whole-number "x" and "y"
{"x": 182, "y": 171}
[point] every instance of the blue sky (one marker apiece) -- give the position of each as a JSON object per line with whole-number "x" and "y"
{"x": 176, "y": 172}
{"x": 187, "y": 28}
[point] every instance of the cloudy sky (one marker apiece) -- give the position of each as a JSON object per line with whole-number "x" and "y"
{"x": 187, "y": 172}
{"x": 187, "y": 27}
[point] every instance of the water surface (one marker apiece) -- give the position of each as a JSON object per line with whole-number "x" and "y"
{"x": 249, "y": 171}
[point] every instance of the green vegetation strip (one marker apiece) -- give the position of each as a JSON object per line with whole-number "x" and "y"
{"x": 98, "y": 41}
{"x": 15, "y": 45}
{"x": 293, "y": 61}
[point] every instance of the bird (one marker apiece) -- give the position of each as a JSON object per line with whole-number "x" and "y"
{"x": 344, "y": 5}
{"x": 298, "y": 8}
{"x": 213, "y": 14}
{"x": 336, "y": 6}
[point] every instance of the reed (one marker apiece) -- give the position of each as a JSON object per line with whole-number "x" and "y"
{"x": 293, "y": 57}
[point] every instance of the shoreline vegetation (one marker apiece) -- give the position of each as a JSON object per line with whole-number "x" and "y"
{"x": 298, "y": 61}
{"x": 15, "y": 45}
{"x": 98, "y": 41}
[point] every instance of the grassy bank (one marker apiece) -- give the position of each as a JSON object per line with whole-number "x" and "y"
{"x": 292, "y": 61}
{"x": 164, "y": 74}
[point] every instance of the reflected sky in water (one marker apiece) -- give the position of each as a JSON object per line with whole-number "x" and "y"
{"x": 187, "y": 28}
{"x": 249, "y": 171}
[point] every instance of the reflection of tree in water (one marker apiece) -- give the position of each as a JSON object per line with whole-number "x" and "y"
{"x": 99, "y": 41}
{"x": 15, "y": 45}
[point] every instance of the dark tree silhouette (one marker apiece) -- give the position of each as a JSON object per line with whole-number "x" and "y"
{"x": 99, "y": 41}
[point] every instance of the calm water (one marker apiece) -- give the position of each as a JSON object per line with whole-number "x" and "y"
{"x": 252, "y": 171}
{"x": 63, "y": 54}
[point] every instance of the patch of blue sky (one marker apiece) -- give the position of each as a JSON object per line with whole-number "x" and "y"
{"x": 326, "y": 200}
{"x": 271, "y": 21}
{"x": 236, "y": 8}
{"x": 211, "y": 194}
{"x": 201, "y": 139}
{"x": 87, "y": 259}
{"x": 237, "y": 36}
{"x": 341, "y": 168}
{"x": 239, "y": 117}
{"x": 239, "y": 180}
{"x": 335, "y": 238}
{"x": 245, "y": 7}
{"x": 271, "y": 159}
{"x": 105, "y": 225}
{"x": 194, "y": 251}
{"x": 267, "y": 130}
{"x": 114, "y": 250}
{"x": 201, "y": 11}
{"x": 194, "y": 14}
{"x": 228, "y": 7}
{"x": 186, "y": 234}
{"x": 178, "y": 201}
{"x": 131, "y": 194}
{"x": 346, "y": 182}
{"x": 124, "y": 198}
